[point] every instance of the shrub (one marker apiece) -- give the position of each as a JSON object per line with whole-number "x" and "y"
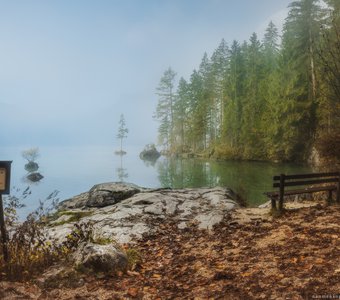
{"x": 30, "y": 249}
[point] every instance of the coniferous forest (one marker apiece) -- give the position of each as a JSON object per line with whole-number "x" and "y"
{"x": 276, "y": 98}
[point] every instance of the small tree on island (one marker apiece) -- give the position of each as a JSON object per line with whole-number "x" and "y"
{"x": 122, "y": 132}
{"x": 31, "y": 155}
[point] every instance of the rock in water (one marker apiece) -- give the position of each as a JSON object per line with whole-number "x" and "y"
{"x": 31, "y": 166}
{"x": 150, "y": 153}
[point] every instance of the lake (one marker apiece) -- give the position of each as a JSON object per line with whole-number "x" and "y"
{"x": 73, "y": 170}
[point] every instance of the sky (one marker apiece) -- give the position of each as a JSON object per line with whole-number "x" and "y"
{"x": 69, "y": 69}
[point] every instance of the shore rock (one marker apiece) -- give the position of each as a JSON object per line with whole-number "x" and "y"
{"x": 102, "y": 195}
{"x": 100, "y": 258}
{"x": 124, "y": 212}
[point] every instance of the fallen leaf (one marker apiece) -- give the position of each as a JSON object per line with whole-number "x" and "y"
{"x": 294, "y": 260}
{"x": 319, "y": 261}
{"x": 132, "y": 291}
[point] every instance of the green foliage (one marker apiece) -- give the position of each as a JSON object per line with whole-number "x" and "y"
{"x": 260, "y": 99}
{"x": 134, "y": 258}
{"x": 165, "y": 108}
{"x": 74, "y": 216}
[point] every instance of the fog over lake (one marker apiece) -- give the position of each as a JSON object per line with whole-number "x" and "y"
{"x": 70, "y": 69}
{"x": 73, "y": 170}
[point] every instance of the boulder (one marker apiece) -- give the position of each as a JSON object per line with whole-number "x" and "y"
{"x": 105, "y": 194}
{"x": 101, "y": 195}
{"x": 78, "y": 201}
{"x": 127, "y": 220}
{"x": 100, "y": 258}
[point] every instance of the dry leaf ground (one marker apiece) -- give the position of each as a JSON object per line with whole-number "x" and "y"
{"x": 248, "y": 256}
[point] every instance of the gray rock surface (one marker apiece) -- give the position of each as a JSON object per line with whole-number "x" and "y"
{"x": 102, "y": 195}
{"x": 133, "y": 209}
{"x": 100, "y": 258}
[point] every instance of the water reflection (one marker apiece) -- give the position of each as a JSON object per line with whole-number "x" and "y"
{"x": 33, "y": 176}
{"x": 122, "y": 173}
{"x": 248, "y": 179}
{"x": 74, "y": 170}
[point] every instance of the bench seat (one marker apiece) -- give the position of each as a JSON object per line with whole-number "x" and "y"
{"x": 276, "y": 194}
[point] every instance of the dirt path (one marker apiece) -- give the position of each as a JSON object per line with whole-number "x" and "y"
{"x": 248, "y": 256}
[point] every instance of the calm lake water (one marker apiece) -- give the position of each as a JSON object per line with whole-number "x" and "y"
{"x": 73, "y": 170}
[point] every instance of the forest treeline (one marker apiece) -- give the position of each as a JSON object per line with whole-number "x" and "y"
{"x": 270, "y": 99}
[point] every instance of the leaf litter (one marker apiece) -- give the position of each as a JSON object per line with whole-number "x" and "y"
{"x": 296, "y": 256}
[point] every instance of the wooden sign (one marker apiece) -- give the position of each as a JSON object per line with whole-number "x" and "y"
{"x": 5, "y": 176}
{"x": 2, "y": 179}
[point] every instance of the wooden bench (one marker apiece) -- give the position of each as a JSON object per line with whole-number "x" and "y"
{"x": 312, "y": 183}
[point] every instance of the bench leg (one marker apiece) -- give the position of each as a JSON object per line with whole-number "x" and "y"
{"x": 330, "y": 197}
{"x": 274, "y": 208}
{"x": 282, "y": 191}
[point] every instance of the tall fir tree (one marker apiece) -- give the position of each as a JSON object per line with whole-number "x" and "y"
{"x": 299, "y": 82}
{"x": 165, "y": 108}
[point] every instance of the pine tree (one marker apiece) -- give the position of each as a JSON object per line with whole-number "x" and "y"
{"x": 165, "y": 108}
{"x": 181, "y": 110}
{"x": 234, "y": 90}
{"x": 197, "y": 113}
{"x": 252, "y": 102}
{"x": 329, "y": 58}
{"x": 298, "y": 74}
{"x": 219, "y": 68}
{"x": 122, "y": 131}
{"x": 271, "y": 46}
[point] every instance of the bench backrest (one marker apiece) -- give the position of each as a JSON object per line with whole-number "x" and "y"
{"x": 305, "y": 179}
{"x": 283, "y": 181}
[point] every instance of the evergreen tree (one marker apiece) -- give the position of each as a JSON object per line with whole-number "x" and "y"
{"x": 181, "y": 111}
{"x": 219, "y": 69}
{"x": 260, "y": 100}
{"x": 269, "y": 90}
{"x": 271, "y": 46}
{"x": 205, "y": 102}
{"x": 252, "y": 102}
{"x": 329, "y": 57}
{"x": 165, "y": 108}
{"x": 197, "y": 113}
{"x": 298, "y": 71}
{"x": 234, "y": 90}
{"x": 122, "y": 131}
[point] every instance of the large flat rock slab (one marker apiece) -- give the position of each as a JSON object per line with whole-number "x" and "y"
{"x": 124, "y": 212}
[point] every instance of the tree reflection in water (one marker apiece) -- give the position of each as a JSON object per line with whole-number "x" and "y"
{"x": 122, "y": 173}
{"x": 32, "y": 166}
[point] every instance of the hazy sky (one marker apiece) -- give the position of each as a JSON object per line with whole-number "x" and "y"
{"x": 68, "y": 69}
